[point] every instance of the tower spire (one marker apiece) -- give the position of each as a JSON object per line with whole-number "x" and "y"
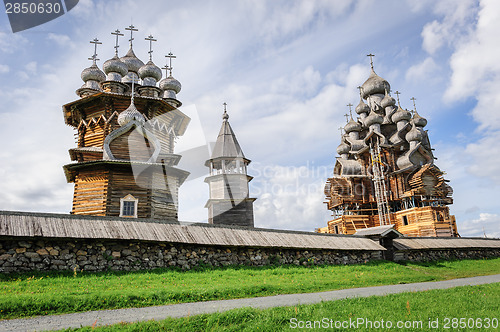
{"x": 117, "y": 34}
{"x": 151, "y": 40}
{"x": 131, "y": 28}
{"x": 225, "y": 116}
{"x": 94, "y": 57}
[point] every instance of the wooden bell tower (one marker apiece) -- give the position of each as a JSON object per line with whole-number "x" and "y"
{"x": 124, "y": 163}
{"x": 229, "y": 201}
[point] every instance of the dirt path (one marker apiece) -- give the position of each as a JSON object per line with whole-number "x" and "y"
{"x": 106, "y": 317}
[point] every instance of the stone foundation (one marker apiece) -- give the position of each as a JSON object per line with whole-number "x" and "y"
{"x": 24, "y": 255}
{"x": 445, "y": 254}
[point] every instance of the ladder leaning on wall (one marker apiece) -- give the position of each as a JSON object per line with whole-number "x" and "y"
{"x": 379, "y": 183}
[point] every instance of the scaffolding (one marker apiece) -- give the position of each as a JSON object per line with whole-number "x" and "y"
{"x": 379, "y": 183}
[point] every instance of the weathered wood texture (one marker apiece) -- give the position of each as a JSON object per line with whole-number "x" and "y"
{"x": 100, "y": 186}
{"x": 91, "y": 191}
{"x": 231, "y": 212}
{"x": 420, "y": 221}
{"x": 20, "y": 224}
{"x": 444, "y": 243}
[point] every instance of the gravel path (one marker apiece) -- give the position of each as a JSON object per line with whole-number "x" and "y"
{"x": 106, "y": 317}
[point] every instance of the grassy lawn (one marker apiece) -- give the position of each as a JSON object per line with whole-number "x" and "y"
{"x": 54, "y": 293}
{"x": 414, "y": 309}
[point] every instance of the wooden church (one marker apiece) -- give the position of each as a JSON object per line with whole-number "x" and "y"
{"x": 126, "y": 123}
{"x": 385, "y": 173}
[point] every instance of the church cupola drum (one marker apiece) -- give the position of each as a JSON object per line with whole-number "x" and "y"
{"x": 385, "y": 173}
{"x": 127, "y": 122}
{"x": 229, "y": 202}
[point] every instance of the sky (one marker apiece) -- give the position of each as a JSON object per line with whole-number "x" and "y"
{"x": 287, "y": 69}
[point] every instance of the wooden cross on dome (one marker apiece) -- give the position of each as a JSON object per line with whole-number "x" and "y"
{"x": 151, "y": 40}
{"x": 170, "y": 56}
{"x": 414, "y": 106}
{"x": 397, "y": 93}
{"x": 117, "y": 34}
{"x": 131, "y": 28}
{"x": 359, "y": 88}
{"x": 350, "y": 109}
{"x": 94, "y": 57}
{"x": 346, "y": 117}
{"x": 167, "y": 68}
{"x": 371, "y": 59}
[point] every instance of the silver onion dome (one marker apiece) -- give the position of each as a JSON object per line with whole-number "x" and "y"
{"x": 414, "y": 134}
{"x": 150, "y": 74}
{"x": 387, "y": 101}
{"x": 400, "y": 115}
{"x": 373, "y": 118}
{"x": 352, "y": 126}
{"x": 362, "y": 107}
{"x": 132, "y": 62}
{"x": 343, "y": 148}
{"x": 418, "y": 120}
{"x": 131, "y": 113}
{"x": 374, "y": 84}
{"x": 93, "y": 73}
{"x": 170, "y": 83}
{"x": 115, "y": 69}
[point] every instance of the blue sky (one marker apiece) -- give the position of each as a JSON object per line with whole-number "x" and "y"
{"x": 287, "y": 70}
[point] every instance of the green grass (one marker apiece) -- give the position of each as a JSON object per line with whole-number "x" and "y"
{"x": 55, "y": 293}
{"x": 410, "y": 308}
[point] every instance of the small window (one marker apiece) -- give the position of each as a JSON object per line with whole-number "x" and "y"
{"x": 405, "y": 220}
{"x": 336, "y": 229}
{"x": 128, "y": 206}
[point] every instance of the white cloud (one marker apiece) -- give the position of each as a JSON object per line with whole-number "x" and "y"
{"x": 289, "y": 197}
{"x": 11, "y": 42}
{"x": 475, "y": 62}
{"x": 485, "y": 156}
{"x": 61, "y": 40}
{"x": 457, "y": 17}
{"x": 4, "y": 69}
{"x": 487, "y": 224}
{"x": 422, "y": 71}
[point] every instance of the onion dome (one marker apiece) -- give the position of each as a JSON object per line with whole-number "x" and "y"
{"x": 150, "y": 74}
{"x": 114, "y": 69}
{"x": 352, "y": 126}
{"x": 374, "y": 84}
{"x": 92, "y": 76}
{"x": 387, "y": 101}
{"x": 414, "y": 134}
{"x": 133, "y": 64}
{"x": 362, "y": 107}
{"x": 131, "y": 113}
{"x": 418, "y": 120}
{"x": 343, "y": 148}
{"x": 170, "y": 86}
{"x": 400, "y": 115}
{"x": 373, "y": 118}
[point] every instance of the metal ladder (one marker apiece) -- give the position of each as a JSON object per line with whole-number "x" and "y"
{"x": 379, "y": 183}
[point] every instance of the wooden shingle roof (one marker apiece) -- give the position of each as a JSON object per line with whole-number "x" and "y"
{"x": 24, "y": 224}
{"x": 444, "y": 243}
